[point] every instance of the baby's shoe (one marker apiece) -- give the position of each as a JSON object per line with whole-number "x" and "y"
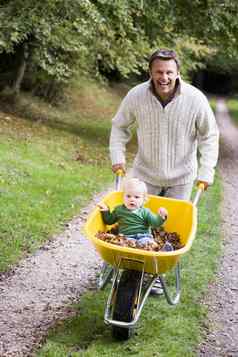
{"x": 167, "y": 247}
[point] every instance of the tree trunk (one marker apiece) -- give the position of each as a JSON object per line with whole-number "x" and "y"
{"x": 23, "y": 55}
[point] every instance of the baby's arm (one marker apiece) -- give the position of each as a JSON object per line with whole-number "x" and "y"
{"x": 163, "y": 213}
{"x": 156, "y": 220}
{"x": 108, "y": 217}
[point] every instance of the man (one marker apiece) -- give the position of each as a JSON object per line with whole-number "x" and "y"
{"x": 176, "y": 131}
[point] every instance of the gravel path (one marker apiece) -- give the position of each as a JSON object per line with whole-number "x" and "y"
{"x": 222, "y": 327}
{"x": 38, "y": 291}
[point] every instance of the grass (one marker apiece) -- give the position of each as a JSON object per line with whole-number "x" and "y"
{"x": 52, "y": 161}
{"x": 163, "y": 330}
{"x": 232, "y": 105}
{"x": 212, "y": 101}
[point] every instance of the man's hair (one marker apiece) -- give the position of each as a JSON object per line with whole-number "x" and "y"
{"x": 164, "y": 55}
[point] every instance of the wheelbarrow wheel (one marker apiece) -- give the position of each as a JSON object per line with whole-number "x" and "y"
{"x": 126, "y": 302}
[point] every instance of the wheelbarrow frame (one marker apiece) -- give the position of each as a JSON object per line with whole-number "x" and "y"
{"x": 146, "y": 281}
{"x": 144, "y": 291}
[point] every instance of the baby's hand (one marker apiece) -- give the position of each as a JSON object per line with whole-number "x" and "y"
{"x": 103, "y": 207}
{"x": 163, "y": 212}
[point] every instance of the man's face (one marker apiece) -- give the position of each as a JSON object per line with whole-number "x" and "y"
{"x": 164, "y": 75}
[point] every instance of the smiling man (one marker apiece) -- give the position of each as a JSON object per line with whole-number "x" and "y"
{"x": 164, "y": 75}
{"x": 175, "y": 127}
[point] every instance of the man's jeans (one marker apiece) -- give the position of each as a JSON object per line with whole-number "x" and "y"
{"x": 181, "y": 192}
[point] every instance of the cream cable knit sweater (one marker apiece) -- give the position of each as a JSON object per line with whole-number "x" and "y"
{"x": 168, "y": 138}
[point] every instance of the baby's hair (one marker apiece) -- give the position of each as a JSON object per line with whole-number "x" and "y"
{"x": 135, "y": 183}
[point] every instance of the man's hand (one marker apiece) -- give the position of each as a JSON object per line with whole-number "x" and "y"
{"x": 205, "y": 184}
{"x": 118, "y": 167}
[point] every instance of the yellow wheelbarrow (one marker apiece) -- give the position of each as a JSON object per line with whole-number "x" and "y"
{"x": 135, "y": 271}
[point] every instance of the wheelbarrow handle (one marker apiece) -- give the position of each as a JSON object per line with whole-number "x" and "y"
{"x": 200, "y": 190}
{"x": 118, "y": 181}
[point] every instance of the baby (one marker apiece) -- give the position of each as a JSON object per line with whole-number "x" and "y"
{"x": 134, "y": 220}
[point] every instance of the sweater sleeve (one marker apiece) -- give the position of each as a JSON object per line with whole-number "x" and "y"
{"x": 153, "y": 220}
{"x": 208, "y": 142}
{"x": 120, "y": 132}
{"x": 109, "y": 217}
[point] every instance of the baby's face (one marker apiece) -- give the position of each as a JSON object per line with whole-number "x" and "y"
{"x": 133, "y": 198}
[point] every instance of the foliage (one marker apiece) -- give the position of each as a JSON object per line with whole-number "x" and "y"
{"x": 64, "y": 37}
{"x": 54, "y": 31}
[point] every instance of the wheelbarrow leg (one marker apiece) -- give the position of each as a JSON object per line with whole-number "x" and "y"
{"x": 104, "y": 276}
{"x": 172, "y": 300}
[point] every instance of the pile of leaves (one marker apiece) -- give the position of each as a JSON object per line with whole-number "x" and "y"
{"x": 161, "y": 240}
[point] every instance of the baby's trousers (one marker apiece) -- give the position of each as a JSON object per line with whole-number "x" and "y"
{"x": 141, "y": 238}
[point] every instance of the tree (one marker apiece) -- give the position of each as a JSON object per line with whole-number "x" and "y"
{"x": 51, "y": 36}
{"x": 48, "y": 42}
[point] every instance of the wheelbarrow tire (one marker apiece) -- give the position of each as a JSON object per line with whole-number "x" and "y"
{"x": 126, "y": 302}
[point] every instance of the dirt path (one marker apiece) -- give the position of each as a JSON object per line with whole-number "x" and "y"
{"x": 222, "y": 337}
{"x": 37, "y": 292}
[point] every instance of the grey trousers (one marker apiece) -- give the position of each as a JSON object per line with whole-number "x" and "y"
{"x": 181, "y": 192}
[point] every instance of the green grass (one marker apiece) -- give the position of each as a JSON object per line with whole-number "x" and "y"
{"x": 163, "y": 330}
{"x": 52, "y": 162}
{"x": 232, "y": 105}
{"x": 213, "y": 103}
